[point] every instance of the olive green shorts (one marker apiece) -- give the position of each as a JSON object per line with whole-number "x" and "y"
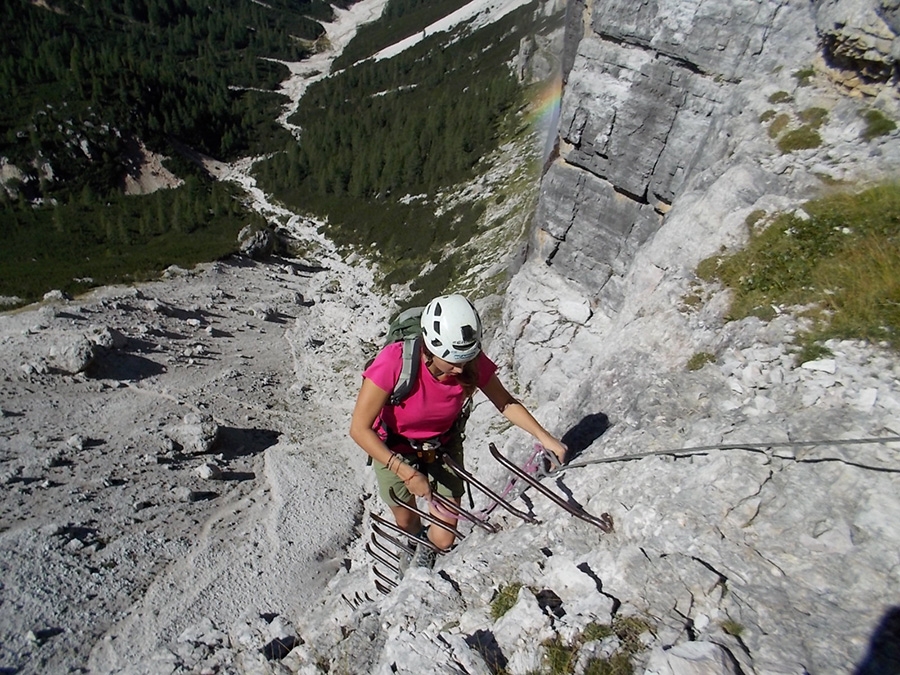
{"x": 442, "y": 479}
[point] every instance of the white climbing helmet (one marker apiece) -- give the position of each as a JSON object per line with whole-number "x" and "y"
{"x": 451, "y": 328}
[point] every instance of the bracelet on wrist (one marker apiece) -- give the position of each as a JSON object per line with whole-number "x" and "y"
{"x": 394, "y": 456}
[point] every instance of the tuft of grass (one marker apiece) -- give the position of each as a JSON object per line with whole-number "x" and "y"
{"x": 700, "y": 359}
{"x": 779, "y": 123}
{"x": 560, "y": 658}
{"x": 766, "y": 115}
{"x": 780, "y": 97}
{"x": 804, "y": 138}
{"x": 732, "y": 627}
{"x": 810, "y": 350}
{"x": 877, "y": 124}
{"x": 691, "y": 300}
{"x": 814, "y": 117}
{"x": 754, "y": 217}
{"x": 629, "y": 629}
{"x": 618, "y": 664}
{"x": 596, "y": 631}
{"x": 804, "y": 76}
{"x": 504, "y": 600}
{"x": 841, "y": 261}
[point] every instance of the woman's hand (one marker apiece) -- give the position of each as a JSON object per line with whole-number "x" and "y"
{"x": 418, "y": 485}
{"x": 557, "y": 448}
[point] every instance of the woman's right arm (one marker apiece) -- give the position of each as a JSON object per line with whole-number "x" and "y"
{"x": 369, "y": 402}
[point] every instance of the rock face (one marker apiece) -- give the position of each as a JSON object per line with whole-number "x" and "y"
{"x": 660, "y": 93}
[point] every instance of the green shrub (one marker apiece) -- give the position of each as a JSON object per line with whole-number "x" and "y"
{"x": 767, "y": 115}
{"x": 877, "y": 124}
{"x": 780, "y": 97}
{"x": 841, "y": 260}
{"x": 804, "y": 138}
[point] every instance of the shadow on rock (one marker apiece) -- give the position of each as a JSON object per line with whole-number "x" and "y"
{"x": 233, "y": 442}
{"x": 582, "y": 435}
{"x": 883, "y": 657}
{"x": 124, "y": 366}
{"x": 484, "y": 642}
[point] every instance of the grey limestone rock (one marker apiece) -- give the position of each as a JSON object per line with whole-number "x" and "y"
{"x": 73, "y": 353}
{"x": 256, "y": 243}
{"x": 197, "y": 433}
{"x": 691, "y": 658}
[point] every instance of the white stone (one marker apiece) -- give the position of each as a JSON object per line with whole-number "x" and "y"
{"x": 823, "y": 365}
{"x": 690, "y": 658}
{"x": 866, "y": 398}
{"x": 575, "y": 311}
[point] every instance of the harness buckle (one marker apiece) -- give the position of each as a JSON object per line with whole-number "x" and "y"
{"x": 426, "y": 450}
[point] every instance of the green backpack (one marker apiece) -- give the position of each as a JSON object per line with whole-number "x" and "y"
{"x": 406, "y": 326}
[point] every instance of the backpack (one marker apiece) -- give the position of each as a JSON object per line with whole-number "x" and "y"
{"x": 406, "y": 326}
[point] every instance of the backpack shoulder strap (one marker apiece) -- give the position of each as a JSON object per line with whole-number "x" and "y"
{"x": 409, "y": 370}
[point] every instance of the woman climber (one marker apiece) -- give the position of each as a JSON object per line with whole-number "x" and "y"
{"x": 400, "y": 437}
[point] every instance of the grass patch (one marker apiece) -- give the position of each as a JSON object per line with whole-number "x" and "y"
{"x": 504, "y": 600}
{"x": 754, "y": 217}
{"x": 766, "y": 115}
{"x": 700, "y": 359}
{"x": 780, "y": 97}
{"x": 732, "y": 627}
{"x": 840, "y": 261}
{"x": 561, "y": 659}
{"x": 877, "y": 124}
{"x": 804, "y": 138}
{"x": 619, "y": 664}
{"x": 804, "y": 76}
{"x": 692, "y": 300}
{"x": 814, "y": 117}
{"x": 779, "y": 124}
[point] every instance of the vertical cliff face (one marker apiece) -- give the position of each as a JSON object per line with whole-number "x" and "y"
{"x": 657, "y": 93}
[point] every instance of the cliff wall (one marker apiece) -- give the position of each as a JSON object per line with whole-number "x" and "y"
{"x": 661, "y": 97}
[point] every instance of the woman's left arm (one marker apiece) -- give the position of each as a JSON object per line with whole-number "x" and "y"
{"x": 518, "y": 414}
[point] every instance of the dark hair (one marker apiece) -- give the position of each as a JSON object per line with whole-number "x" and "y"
{"x": 468, "y": 378}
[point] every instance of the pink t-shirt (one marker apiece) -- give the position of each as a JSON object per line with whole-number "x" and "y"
{"x": 432, "y": 406}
